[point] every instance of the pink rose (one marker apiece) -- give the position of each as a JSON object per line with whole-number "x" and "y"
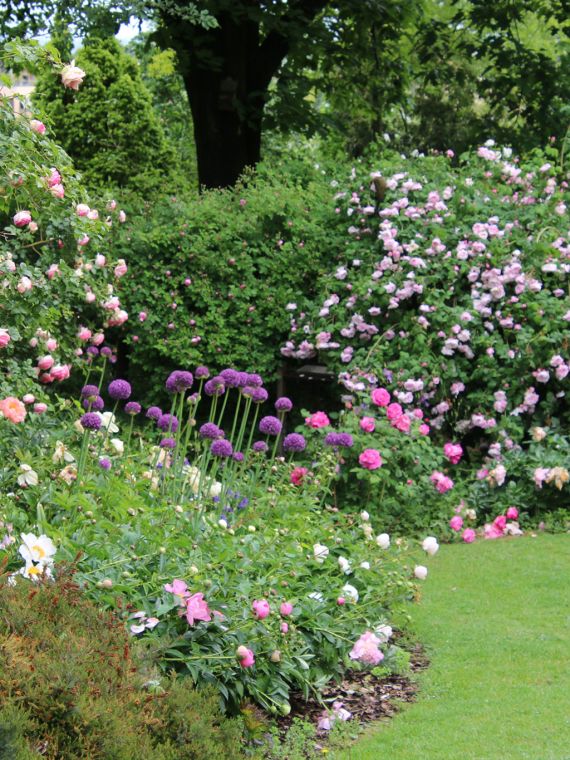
{"x": 453, "y": 452}
{"x": 341, "y": 601}
{"x": 37, "y": 126}
{"x": 121, "y": 268}
{"x": 82, "y": 209}
{"x": 60, "y": 372}
{"x": 368, "y": 424}
{"x": 380, "y": 397}
{"x": 402, "y": 423}
{"x": 424, "y": 429}
{"x": 468, "y": 535}
{"x": 24, "y": 285}
{"x": 83, "y": 240}
{"x": 456, "y": 523}
{"x": 261, "y": 608}
{"x": 286, "y": 608}
{"x": 22, "y": 218}
{"x": 84, "y": 333}
{"x": 58, "y": 191}
{"x": 491, "y": 531}
{"x": 72, "y": 76}
{"x": 122, "y": 217}
{"x": 51, "y": 344}
{"x": 97, "y": 339}
{"x": 512, "y": 513}
{"x": 52, "y": 271}
{"x": 100, "y": 260}
{"x": 393, "y": 411}
{"x": 4, "y": 337}
{"x": 370, "y": 459}
{"x": 46, "y": 362}
{"x": 441, "y": 482}
{"x": 54, "y": 178}
{"x": 28, "y": 398}
{"x": 142, "y": 316}
{"x": 317, "y": 420}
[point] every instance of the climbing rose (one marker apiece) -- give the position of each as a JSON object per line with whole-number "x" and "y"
{"x": 430, "y": 545}
{"x": 72, "y": 76}
{"x": 368, "y": 424}
{"x": 317, "y": 420}
{"x": 22, "y": 218}
{"x": 380, "y": 397}
{"x": 453, "y": 452}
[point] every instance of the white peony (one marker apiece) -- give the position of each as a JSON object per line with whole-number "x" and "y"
{"x": 344, "y": 565}
{"x": 321, "y": 552}
{"x": 364, "y": 516}
{"x": 383, "y": 540}
{"x": 118, "y": 445}
{"x": 215, "y": 488}
{"x": 37, "y": 548}
{"x": 350, "y": 593}
{"x": 365, "y": 565}
{"x": 27, "y": 476}
{"x": 108, "y": 421}
{"x": 420, "y": 572}
{"x": 430, "y": 545}
{"x": 384, "y": 632}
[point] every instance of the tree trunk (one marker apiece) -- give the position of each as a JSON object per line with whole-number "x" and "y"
{"x": 226, "y": 73}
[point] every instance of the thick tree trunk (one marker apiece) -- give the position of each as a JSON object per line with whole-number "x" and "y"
{"x": 226, "y": 73}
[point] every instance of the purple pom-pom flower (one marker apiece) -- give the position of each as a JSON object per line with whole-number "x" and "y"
{"x": 89, "y": 391}
{"x": 133, "y": 407}
{"x": 259, "y": 396}
{"x": 231, "y": 377}
{"x": 202, "y": 373}
{"x": 119, "y": 390}
{"x": 270, "y": 425}
{"x": 153, "y": 413}
{"x": 91, "y": 421}
{"x": 210, "y": 430}
{"x": 259, "y": 446}
{"x": 294, "y": 442}
{"x": 179, "y": 381}
{"x": 168, "y": 443}
{"x": 221, "y": 448}
{"x": 215, "y": 386}
{"x": 167, "y": 422}
{"x": 93, "y": 404}
{"x": 283, "y": 404}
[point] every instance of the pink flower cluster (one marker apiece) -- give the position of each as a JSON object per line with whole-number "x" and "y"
{"x": 442, "y": 482}
{"x": 366, "y": 649}
{"x": 196, "y": 608}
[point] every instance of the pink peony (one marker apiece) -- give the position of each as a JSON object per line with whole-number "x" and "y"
{"x": 370, "y": 459}
{"x": 12, "y": 409}
{"x": 286, "y": 608}
{"x": 29, "y": 398}
{"x": 500, "y": 522}
{"x": 512, "y": 513}
{"x": 60, "y": 372}
{"x": 468, "y": 535}
{"x": 142, "y": 316}
{"x": 261, "y": 608}
{"x": 366, "y": 649}
{"x": 491, "y": 531}
{"x": 284, "y": 627}
{"x": 4, "y": 337}
{"x": 97, "y": 339}
{"x": 424, "y": 429}
{"x": 58, "y": 191}
{"x": 317, "y": 420}
{"x": 72, "y": 76}
{"x": 453, "y": 452}
{"x": 40, "y": 408}
{"x": 245, "y": 656}
{"x": 380, "y": 397}
{"x": 37, "y": 126}
{"x": 368, "y": 424}
{"x": 197, "y": 609}
{"x": 178, "y": 588}
{"x": 298, "y": 475}
{"x": 84, "y": 333}
{"x": 46, "y": 362}
{"x": 402, "y": 423}
{"x": 456, "y": 523}
{"x": 22, "y": 218}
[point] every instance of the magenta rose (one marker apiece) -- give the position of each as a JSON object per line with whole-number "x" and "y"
{"x": 317, "y": 420}
{"x": 456, "y": 523}
{"x": 380, "y": 397}
{"x": 370, "y": 459}
{"x": 368, "y": 424}
{"x": 468, "y": 535}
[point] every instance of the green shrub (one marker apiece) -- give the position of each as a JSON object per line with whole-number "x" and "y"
{"x": 71, "y": 686}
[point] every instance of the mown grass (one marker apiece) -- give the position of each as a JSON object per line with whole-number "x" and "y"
{"x": 495, "y": 620}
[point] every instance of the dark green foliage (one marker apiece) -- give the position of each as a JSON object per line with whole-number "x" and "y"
{"x": 108, "y": 126}
{"x": 71, "y": 687}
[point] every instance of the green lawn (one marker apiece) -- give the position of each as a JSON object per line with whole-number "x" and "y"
{"x": 495, "y": 620}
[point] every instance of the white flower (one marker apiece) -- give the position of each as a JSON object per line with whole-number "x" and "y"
{"x": 35, "y": 571}
{"x": 222, "y": 523}
{"x": 384, "y": 632}
{"x": 28, "y": 477}
{"x": 321, "y": 552}
{"x": 430, "y": 545}
{"x": 108, "y": 421}
{"x": 471, "y": 514}
{"x": 383, "y": 540}
{"x": 344, "y": 565}
{"x": 78, "y": 426}
{"x": 364, "y": 516}
{"x": 215, "y": 488}
{"x": 37, "y": 548}
{"x": 118, "y": 445}
{"x": 365, "y": 565}
{"x": 420, "y": 572}
{"x": 317, "y": 596}
{"x": 61, "y": 453}
{"x": 368, "y": 532}
{"x": 350, "y": 593}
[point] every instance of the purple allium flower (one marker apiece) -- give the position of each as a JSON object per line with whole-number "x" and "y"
{"x": 178, "y": 381}
{"x": 270, "y": 425}
{"x": 210, "y": 430}
{"x": 247, "y": 391}
{"x": 338, "y": 439}
{"x": 215, "y": 386}
{"x": 93, "y": 351}
{"x": 230, "y": 377}
{"x": 168, "y": 443}
{"x": 93, "y": 404}
{"x": 283, "y": 404}
{"x": 242, "y": 379}
{"x": 255, "y": 380}
{"x": 89, "y": 390}
{"x": 104, "y": 463}
{"x": 167, "y": 422}
{"x": 221, "y": 448}
{"x": 119, "y": 389}
{"x": 237, "y": 456}
{"x": 153, "y": 413}
{"x": 106, "y": 351}
{"x": 259, "y": 396}
{"x": 259, "y": 446}
{"x": 202, "y": 373}
{"x": 294, "y": 442}
{"x": 91, "y": 421}
{"x": 133, "y": 407}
